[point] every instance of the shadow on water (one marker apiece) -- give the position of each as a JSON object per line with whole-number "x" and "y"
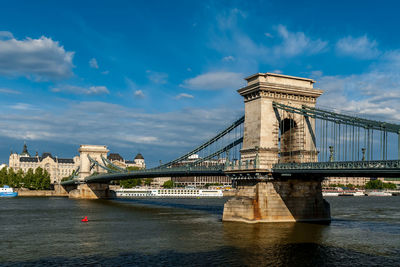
{"x": 212, "y": 206}
{"x": 375, "y": 226}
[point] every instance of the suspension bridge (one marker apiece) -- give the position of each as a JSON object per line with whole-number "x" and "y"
{"x": 277, "y": 154}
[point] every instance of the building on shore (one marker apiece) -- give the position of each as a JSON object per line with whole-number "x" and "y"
{"x": 159, "y": 181}
{"x": 58, "y": 168}
{"x": 119, "y": 161}
{"x": 356, "y": 181}
{"x": 200, "y": 181}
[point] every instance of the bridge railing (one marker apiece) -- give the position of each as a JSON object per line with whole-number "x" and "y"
{"x": 353, "y": 165}
{"x": 238, "y": 165}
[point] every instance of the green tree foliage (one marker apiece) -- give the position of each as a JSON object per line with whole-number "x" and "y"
{"x": 148, "y": 181}
{"x": 112, "y": 168}
{"x": 168, "y": 184}
{"x": 378, "y": 184}
{"x": 132, "y": 168}
{"x": 130, "y": 183}
{"x": 35, "y": 180}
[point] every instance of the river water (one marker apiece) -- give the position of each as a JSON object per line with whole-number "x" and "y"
{"x": 189, "y": 232}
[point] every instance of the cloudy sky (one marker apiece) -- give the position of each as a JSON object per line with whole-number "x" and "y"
{"x": 160, "y": 77}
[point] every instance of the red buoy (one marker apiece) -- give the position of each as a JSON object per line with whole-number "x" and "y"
{"x": 85, "y": 219}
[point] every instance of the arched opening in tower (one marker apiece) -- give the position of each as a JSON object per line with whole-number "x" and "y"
{"x": 287, "y": 139}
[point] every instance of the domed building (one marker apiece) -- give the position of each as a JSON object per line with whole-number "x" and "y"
{"x": 119, "y": 161}
{"x": 138, "y": 161}
{"x": 58, "y": 168}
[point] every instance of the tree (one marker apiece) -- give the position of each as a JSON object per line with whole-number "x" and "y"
{"x": 28, "y": 178}
{"x": 350, "y": 186}
{"x": 132, "y": 168}
{"x": 168, "y": 184}
{"x": 389, "y": 186}
{"x": 3, "y": 176}
{"x": 41, "y": 180}
{"x": 112, "y": 168}
{"x": 148, "y": 181}
{"x": 374, "y": 184}
{"x": 130, "y": 183}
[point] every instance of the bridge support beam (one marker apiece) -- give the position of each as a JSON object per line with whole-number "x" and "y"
{"x": 91, "y": 191}
{"x": 291, "y": 200}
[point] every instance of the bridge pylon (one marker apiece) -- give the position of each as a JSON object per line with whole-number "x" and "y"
{"x": 273, "y": 136}
{"x": 82, "y": 189}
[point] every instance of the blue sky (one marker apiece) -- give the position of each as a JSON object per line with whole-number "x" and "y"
{"x": 160, "y": 77}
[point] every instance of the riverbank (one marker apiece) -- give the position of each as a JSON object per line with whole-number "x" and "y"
{"x": 40, "y": 193}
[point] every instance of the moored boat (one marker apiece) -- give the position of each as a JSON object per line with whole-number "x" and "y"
{"x": 7, "y": 191}
{"x": 160, "y": 193}
{"x": 379, "y": 194}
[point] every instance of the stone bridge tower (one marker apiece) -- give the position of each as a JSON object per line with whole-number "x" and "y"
{"x": 275, "y": 135}
{"x": 95, "y": 152}
{"x": 272, "y": 136}
{"x": 94, "y": 190}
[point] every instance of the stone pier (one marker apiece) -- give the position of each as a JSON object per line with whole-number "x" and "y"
{"x": 272, "y": 136}
{"x": 278, "y": 201}
{"x": 87, "y": 168}
{"x": 91, "y": 191}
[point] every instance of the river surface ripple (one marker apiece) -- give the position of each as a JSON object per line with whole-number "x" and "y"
{"x": 189, "y": 232}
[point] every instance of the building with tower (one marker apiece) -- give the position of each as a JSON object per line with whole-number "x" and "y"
{"x": 58, "y": 168}
{"x": 118, "y": 160}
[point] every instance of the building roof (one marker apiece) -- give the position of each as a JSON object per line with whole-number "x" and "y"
{"x": 25, "y": 152}
{"x": 115, "y": 156}
{"x": 46, "y": 154}
{"x": 139, "y": 156}
{"x": 28, "y": 159}
{"x": 37, "y": 159}
{"x": 65, "y": 161}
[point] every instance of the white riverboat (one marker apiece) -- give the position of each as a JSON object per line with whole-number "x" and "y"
{"x": 379, "y": 194}
{"x": 337, "y": 191}
{"x": 7, "y": 191}
{"x": 331, "y": 191}
{"x": 167, "y": 193}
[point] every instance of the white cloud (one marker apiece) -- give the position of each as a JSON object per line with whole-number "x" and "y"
{"x": 228, "y": 58}
{"x": 92, "y": 90}
{"x": 316, "y": 73}
{"x": 296, "y": 43}
{"x": 228, "y": 36}
{"x": 267, "y": 34}
{"x": 360, "y": 47}
{"x": 229, "y": 18}
{"x": 277, "y": 71}
{"x": 215, "y": 81}
{"x": 93, "y": 63}
{"x": 9, "y": 91}
{"x": 184, "y": 95}
{"x": 23, "y": 106}
{"x": 6, "y": 35}
{"x": 40, "y": 59}
{"x": 375, "y": 94}
{"x": 163, "y": 136}
{"x": 105, "y": 72}
{"x": 157, "y": 77}
{"x": 139, "y": 93}
{"x": 97, "y": 90}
